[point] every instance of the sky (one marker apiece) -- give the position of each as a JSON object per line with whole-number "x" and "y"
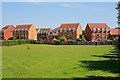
{"x": 53, "y": 14}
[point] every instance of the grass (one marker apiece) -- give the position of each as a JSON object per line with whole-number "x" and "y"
{"x": 57, "y": 61}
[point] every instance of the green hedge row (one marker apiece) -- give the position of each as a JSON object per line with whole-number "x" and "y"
{"x": 14, "y": 42}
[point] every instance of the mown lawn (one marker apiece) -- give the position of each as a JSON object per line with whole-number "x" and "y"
{"x": 58, "y": 61}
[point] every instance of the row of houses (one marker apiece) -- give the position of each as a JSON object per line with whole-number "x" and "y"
{"x": 72, "y": 31}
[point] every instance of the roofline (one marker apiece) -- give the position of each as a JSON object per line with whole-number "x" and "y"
{"x": 24, "y": 24}
{"x": 69, "y": 23}
{"x": 97, "y": 23}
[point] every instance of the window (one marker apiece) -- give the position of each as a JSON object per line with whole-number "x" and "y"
{"x": 26, "y": 36}
{"x": 74, "y": 35}
{"x": 60, "y": 30}
{"x": 93, "y": 35}
{"x": 98, "y": 36}
{"x": 70, "y": 36}
{"x": 51, "y": 37}
{"x": 94, "y": 29}
{"x": 103, "y": 36}
{"x": 103, "y": 29}
{"x": 60, "y": 35}
{"x": 18, "y": 30}
{"x": 14, "y": 31}
{"x": 25, "y": 30}
{"x": 15, "y": 35}
{"x": 22, "y": 37}
{"x": 65, "y": 35}
{"x": 107, "y": 29}
{"x": 69, "y": 29}
{"x": 73, "y": 29}
{"x": 98, "y": 29}
{"x": 107, "y": 35}
{"x": 21, "y": 30}
{"x": 50, "y": 32}
{"x": 65, "y": 30}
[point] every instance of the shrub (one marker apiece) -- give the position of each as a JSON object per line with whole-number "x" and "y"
{"x": 14, "y": 42}
{"x": 78, "y": 39}
{"x": 57, "y": 41}
{"x": 70, "y": 41}
{"x": 62, "y": 39}
{"x": 47, "y": 38}
{"x": 39, "y": 39}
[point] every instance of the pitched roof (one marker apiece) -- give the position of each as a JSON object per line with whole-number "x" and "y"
{"x": 56, "y": 29}
{"x": 97, "y": 25}
{"x": 69, "y": 25}
{"x": 45, "y": 29}
{"x": 6, "y": 27}
{"x": 115, "y": 31}
{"x": 25, "y": 26}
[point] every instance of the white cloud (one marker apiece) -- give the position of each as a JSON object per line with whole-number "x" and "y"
{"x": 66, "y": 5}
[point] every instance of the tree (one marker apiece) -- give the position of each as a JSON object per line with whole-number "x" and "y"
{"x": 47, "y": 38}
{"x": 14, "y": 38}
{"x": 83, "y": 32}
{"x": 118, "y": 5}
{"x": 119, "y": 41}
{"x": 78, "y": 39}
{"x": 83, "y": 39}
{"x": 39, "y": 39}
{"x": 62, "y": 39}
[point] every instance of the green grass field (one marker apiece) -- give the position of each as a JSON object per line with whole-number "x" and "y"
{"x": 58, "y": 61}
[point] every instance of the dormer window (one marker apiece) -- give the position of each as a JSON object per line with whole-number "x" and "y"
{"x": 22, "y": 30}
{"x": 103, "y": 29}
{"x": 98, "y": 29}
{"x": 69, "y": 29}
{"x": 65, "y": 30}
{"x": 107, "y": 29}
{"x": 60, "y": 30}
{"x": 25, "y": 30}
{"x": 18, "y": 30}
{"x": 94, "y": 29}
{"x": 14, "y": 31}
{"x": 73, "y": 29}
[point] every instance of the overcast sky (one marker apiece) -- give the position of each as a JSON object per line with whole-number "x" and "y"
{"x": 52, "y": 14}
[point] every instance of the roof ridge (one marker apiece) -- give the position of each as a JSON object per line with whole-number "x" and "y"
{"x": 69, "y": 23}
{"x": 23, "y": 24}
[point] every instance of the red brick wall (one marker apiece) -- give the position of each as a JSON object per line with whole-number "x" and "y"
{"x": 8, "y": 33}
{"x": 87, "y": 33}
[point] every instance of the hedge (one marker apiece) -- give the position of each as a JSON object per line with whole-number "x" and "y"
{"x": 14, "y": 42}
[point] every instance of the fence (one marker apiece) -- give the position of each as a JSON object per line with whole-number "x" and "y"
{"x": 75, "y": 42}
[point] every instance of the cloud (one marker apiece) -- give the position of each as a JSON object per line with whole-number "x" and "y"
{"x": 66, "y": 5}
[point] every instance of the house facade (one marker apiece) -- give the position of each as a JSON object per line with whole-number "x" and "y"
{"x": 97, "y": 32}
{"x": 26, "y": 31}
{"x": 53, "y": 34}
{"x": 71, "y": 31}
{"x": 43, "y": 32}
{"x": 6, "y": 32}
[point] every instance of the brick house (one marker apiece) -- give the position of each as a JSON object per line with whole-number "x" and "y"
{"x": 43, "y": 32}
{"x": 6, "y": 32}
{"x": 53, "y": 34}
{"x": 114, "y": 32}
{"x": 97, "y": 32}
{"x": 26, "y": 31}
{"x": 71, "y": 31}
